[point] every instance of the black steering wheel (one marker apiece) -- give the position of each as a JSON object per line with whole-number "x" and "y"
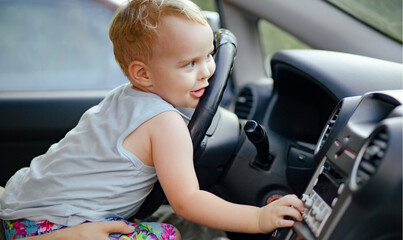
{"x": 225, "y": 51}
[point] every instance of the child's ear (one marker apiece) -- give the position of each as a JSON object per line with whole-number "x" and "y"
{"x": 139, "y": 74}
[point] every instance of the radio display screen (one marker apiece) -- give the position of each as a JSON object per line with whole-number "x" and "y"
{"x": 326, "y": 188}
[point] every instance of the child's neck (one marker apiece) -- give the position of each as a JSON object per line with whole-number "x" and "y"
{"x": 139, "y": 88}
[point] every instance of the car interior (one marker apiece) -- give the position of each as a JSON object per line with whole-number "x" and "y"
{"x": 324, "y": 123}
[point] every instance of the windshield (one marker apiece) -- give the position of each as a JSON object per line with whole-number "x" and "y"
{"x": 383, "y": 15}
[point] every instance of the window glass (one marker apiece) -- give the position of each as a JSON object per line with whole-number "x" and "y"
{"x": 60, "y": 44}
{"x": 56, "y": 45}
{"x": 208, "y": 5}
{"x": 274, "y": 39}
{"x": 383, "y": 15}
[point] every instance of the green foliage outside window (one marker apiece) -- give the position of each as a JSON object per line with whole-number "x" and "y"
{"x": 208, "y": 5}
{"x": 385, "y": 16}
{"x": 274, "y": 39}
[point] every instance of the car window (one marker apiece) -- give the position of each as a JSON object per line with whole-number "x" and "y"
{"x": 207, "y": 5}
{"x": 56, "y": 45}
{"x": 274, "y": 39}
{"x": 385, "y": 16}
{"x": 59, "y": 45}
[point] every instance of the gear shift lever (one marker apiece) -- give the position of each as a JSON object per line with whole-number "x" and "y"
{"x": 257, "y": 135}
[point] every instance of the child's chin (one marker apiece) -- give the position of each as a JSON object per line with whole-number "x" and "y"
{"x": 195, "y": 105}
{"x": 192, "y": 104}
{"x": 188, "y": 105}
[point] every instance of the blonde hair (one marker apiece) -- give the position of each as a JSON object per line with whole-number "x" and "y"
{"x": 134, "y": 27}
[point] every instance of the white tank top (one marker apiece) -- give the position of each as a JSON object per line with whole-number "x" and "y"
{"x": 88, "y": 175}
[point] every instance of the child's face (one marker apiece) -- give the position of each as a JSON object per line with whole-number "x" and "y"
{"x": 182, "y": 61}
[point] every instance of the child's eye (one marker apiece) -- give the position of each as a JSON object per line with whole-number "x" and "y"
{"x": 190, "y": 64}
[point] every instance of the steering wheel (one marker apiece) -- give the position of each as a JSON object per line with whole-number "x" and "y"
{"x": 225, "y": 51}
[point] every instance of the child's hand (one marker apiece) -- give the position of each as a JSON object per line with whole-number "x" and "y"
{"x": 273, "y": 215}
{"x": 101, "y": 230}
{"x": 88, "y": 231}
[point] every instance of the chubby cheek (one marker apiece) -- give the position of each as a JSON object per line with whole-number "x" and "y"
{"x": 212, "y": 67}
{"x": 181, "y": 96}
{"x": 189, "y": 101}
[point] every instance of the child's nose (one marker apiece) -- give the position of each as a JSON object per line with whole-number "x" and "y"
{"x": 205, "y": 71}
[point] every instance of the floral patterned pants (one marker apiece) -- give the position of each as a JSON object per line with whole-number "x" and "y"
{"x": 15, "y": 229}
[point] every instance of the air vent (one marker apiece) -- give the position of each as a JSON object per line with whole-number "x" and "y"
{"x": 328, "y": 128}
{"x": 369, "y": 158}
{"x": 244, "y": 103}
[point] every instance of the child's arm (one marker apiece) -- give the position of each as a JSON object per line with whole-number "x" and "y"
{"x": 172, "y": 154}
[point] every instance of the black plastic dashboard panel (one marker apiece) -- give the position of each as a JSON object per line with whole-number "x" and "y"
{"x": 309, "y": 83}
{"x": 307, "y": 86}
{"x": 301, "y": 105}
{"x": 342, "y": 74}
{"x": 313, "y": 82}
{"x": 356, "y": 191}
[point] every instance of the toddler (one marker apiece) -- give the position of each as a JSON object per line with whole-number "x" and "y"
{"x": 104, "y": 168}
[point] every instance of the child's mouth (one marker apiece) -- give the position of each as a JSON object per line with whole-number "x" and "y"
{"x": 197, "y": 93}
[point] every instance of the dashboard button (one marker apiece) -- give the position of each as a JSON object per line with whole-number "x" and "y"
{"x": 340, "y": 189}
{"x": 315, "y": 211}
{"x": 304, "y": 197}
{"x": 334, "y": 202}
{"x": 320, "y": 216}
{"x": 308, "y": 203}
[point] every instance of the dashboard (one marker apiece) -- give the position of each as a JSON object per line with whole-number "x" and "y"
{"x": 356, "y": 191}
{"x": 334, "y": 123}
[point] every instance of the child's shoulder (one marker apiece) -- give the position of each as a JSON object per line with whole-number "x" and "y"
{"x": 167, "y": 123}
{"x": 170, "y": 118}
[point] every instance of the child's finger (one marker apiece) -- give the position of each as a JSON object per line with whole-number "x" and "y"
{"x": 117, "y": 227}
{"x": 291, "y": 212}
{"x": 297, "y": 215}
{"x": 293, "y": 200}
{"x": 285, "y": 223}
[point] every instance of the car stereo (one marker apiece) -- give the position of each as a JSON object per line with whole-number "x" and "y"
{"x": 320, "y": 200}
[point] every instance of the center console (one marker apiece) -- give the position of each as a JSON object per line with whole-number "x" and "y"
{"x": 320, "y": 200}
{"x": 356, "y": 191}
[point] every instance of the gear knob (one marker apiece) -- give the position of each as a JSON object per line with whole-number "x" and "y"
{"x": 257, "y": 135}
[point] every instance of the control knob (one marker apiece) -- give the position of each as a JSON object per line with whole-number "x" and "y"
{"x": 320, "y": 216}
{"x": 308, "y": 202}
